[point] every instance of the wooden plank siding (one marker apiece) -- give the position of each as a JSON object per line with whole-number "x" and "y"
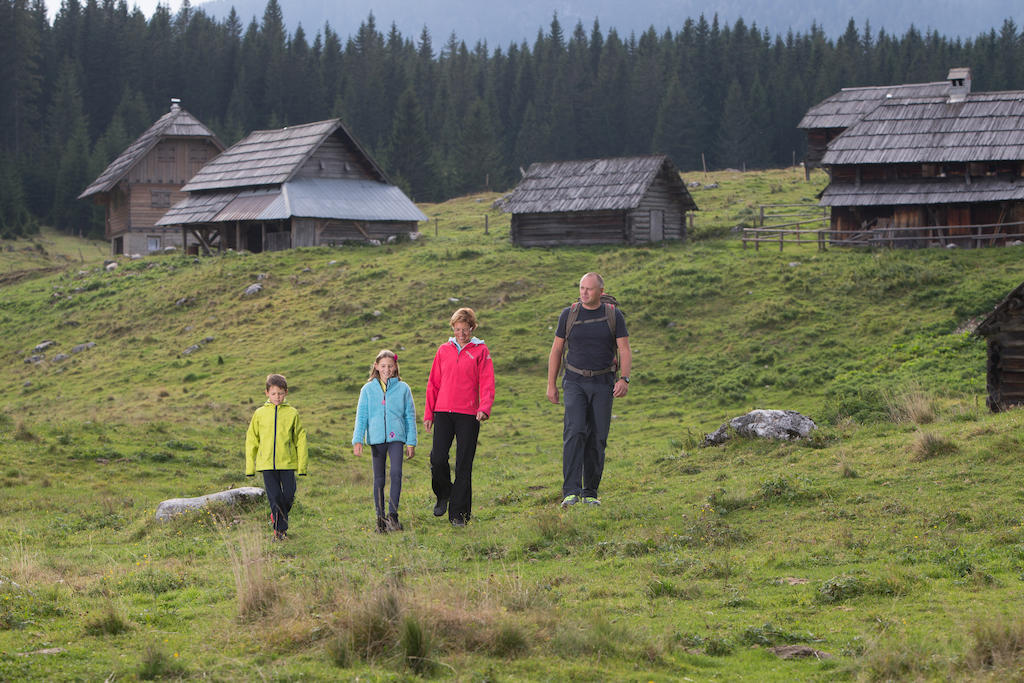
{"x": 659, "y": 197}
{"x": 172, "y": 162}
{"x": 552, "y": 229}
{"x": 334, "y": 159}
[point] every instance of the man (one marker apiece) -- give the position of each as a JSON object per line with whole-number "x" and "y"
{"x": 589, "y": 385}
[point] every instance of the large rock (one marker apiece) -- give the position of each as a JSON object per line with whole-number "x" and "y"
{"x": 764, "y": 424}
{"x": 176, "y": 506}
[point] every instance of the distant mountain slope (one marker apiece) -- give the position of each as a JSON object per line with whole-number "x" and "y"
{"x": 502, "y": 23}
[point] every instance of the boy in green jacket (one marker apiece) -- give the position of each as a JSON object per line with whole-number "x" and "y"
{"x": 275, "y": 445}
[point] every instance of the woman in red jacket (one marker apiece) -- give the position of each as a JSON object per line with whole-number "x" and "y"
{"x": 460, "y": 393}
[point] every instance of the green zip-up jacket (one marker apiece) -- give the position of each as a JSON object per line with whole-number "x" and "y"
{"x": 276, "y": 440}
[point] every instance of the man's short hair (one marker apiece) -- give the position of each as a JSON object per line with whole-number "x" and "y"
{"x": 276, "y": 380}
{"x": 600, "y": 280}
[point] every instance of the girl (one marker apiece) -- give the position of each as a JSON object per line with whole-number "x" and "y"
{"x": 385, "y": 419}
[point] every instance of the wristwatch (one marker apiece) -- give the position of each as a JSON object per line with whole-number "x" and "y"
{"x": 625, "y": 379}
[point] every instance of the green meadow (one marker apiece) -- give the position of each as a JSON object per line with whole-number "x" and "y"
{"x": 888, "y": 546}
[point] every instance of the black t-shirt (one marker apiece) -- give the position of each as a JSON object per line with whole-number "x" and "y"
{"x": 591, "y": 346}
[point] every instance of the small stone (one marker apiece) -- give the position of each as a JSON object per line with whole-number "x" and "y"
{"x": 452, "y": 300}
{"x": 111, "y": 266}
{"x": 60, "y": 356}
{"x": 35, "y": 360}
{"x": 414, "y": 236}
{"x": 82, "y": 347}
{"x": 190, "y": 350}
{"x": 377, "y": 314}
{"x": 42, "y": 346}
{"x": 254, "y": 288}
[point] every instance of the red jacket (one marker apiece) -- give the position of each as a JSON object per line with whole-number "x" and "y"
{"x": 460, "y": 381}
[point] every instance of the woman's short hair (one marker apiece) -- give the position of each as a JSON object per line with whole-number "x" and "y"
{"x": 464, "y": 315}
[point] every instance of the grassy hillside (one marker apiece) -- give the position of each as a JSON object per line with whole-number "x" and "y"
{"x": 891, "y": 541}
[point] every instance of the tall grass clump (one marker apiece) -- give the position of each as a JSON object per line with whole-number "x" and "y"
{"x": 417, "y": 646}
{"x": 910, "y": 405}
{"x": 997, "y": 644}
{"x": 255, "y": 590}
{"x": 156, "y": 664}
{"x": 109, "y": 621}
{"x": 928, "y": 445}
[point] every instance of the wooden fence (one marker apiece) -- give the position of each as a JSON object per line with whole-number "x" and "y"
{"x": 964, "y": 236}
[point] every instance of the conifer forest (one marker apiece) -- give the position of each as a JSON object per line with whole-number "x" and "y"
{"x": 444, "y": 115}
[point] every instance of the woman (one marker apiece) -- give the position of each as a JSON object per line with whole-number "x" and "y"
{"x": 460, "y": 393}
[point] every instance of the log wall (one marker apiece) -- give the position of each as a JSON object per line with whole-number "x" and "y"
{"x": 334, "y": 159}
{"x": 553, "y": 229}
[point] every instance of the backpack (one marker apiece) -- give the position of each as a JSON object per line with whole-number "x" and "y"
{"x": 610, "y": 304}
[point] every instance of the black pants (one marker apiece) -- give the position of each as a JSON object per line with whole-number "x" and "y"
{"x": 588, "y": 417}
{"x": 280, "y": 487}
{"x": 464, "y": 429}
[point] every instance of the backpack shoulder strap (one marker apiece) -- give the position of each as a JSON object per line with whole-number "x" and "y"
{"x": 570, "y": 320}
{"x": 609, "y": 312}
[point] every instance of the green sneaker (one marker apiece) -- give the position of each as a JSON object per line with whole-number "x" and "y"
{"x": 591, "y": 500}
{"x": 571, "y": 499}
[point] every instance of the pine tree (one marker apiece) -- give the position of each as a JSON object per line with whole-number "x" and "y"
{"x": 409, "y": 150}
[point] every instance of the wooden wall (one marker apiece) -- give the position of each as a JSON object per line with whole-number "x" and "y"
{"x": 336, "y": 233}
{"x": 552, "y": 229}
{"x": 1005, "y": 375}
{"x": 172, "y": 161}
{"x": 660, "y": 197}
{"x": 335, "y": 159}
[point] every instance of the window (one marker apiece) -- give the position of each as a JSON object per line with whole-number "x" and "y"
{"x": 152, "y": 244}
{"x": 160, "y": 199}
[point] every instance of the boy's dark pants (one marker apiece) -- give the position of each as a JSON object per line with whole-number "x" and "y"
{"x": 280, "y": 487}
{"x": 588, "y": 417}
{"x": 464, "y": 429}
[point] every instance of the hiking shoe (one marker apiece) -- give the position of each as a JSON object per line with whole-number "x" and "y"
{"x": 392, "y": 522}
{"x": 382, "y": 525}
{"x": 280, "y": 535}
{"x": 571, "y": 499}
{"x": 459, "y": 521}
{"x": 591, "y": 500}
{"x": 441, "y": 507}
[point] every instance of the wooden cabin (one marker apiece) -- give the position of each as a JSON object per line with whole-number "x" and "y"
{"x": 939, "y": 170}
{"x": 827, "y": 120}
{"x": 1003, "y": 329}
{"x": 142, "y": 183}
{"x": 305, "y": 185}
{"x": 626, "y": 200}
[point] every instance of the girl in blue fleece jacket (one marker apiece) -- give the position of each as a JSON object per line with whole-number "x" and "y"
{"x": 385, "y": 419}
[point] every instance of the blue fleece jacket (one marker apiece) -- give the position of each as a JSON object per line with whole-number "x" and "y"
{"x": 382, "y": 417}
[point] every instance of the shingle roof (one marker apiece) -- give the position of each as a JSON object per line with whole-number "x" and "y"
{"x": 937, "y": 191}
{"x": 270, "y": 157}
{"x": 1011, "y": 306}
{"x": 590, "y": 185}
{"x": 332, "y": 198}
{"x": 849, "y": 105}
{"x": 987, "y": 126}
{"x": 175, "y": 123}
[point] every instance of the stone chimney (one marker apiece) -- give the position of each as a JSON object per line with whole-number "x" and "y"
{"x": 176, "y": 103}
{"x": 959, "y": 83}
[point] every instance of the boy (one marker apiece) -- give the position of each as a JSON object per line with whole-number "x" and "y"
{"x": 275, "y": 445}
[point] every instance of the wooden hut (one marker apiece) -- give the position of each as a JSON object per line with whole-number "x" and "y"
{"x": 1003, "y": 330}
{"x": 142, "y": 183}
{"x": 626, "y": 200}
{"x": 298, "y": 186}
{"x": 934, "y": 170}
{"x": 825, "y": 121}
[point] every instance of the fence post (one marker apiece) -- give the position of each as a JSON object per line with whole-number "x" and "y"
{"x": 781, "y": 235}
{"x": 435, "y": 226}
{"x": 744, "y": 239}
{"x": 487, "y": 224}
{"x": 762, "y": 216}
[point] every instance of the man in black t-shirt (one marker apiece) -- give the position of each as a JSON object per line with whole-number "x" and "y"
{"x": 589, "y": 385}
